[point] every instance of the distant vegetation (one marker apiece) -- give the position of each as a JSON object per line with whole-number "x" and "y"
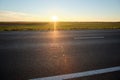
{"x": 23, "y": 26}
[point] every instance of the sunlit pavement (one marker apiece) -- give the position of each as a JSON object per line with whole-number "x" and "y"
{"x": 37, "y": 54}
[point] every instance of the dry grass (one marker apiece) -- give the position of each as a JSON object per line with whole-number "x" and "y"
{"x": 23, "y": 26}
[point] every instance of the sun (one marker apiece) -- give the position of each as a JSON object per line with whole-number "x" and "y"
{"x": 54, "y": 18}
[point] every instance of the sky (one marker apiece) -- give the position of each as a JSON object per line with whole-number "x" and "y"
{"x": 66, "y": 10}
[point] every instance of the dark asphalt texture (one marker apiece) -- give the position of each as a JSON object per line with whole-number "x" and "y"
{"x": 34, "y": 54}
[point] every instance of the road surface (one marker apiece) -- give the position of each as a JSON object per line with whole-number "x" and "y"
{"x": 28, "y": 55}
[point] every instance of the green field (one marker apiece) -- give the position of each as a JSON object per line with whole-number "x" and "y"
{"x": 23, "y": 26}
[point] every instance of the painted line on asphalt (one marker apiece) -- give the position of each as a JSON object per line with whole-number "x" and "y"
{"x": 100, "y": 37}
{"x": 80, "y": 74}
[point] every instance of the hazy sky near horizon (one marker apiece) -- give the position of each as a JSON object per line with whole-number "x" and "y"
{"x": 66, "y": 10}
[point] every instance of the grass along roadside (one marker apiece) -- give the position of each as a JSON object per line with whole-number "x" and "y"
{"x": 24, "y": 26}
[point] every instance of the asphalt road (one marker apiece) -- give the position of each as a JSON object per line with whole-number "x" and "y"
{"x": 35, "y": 54}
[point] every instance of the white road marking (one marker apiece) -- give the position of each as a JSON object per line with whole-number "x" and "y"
{"x": 80, "y": 74}
{"x": 100, "y": 37}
